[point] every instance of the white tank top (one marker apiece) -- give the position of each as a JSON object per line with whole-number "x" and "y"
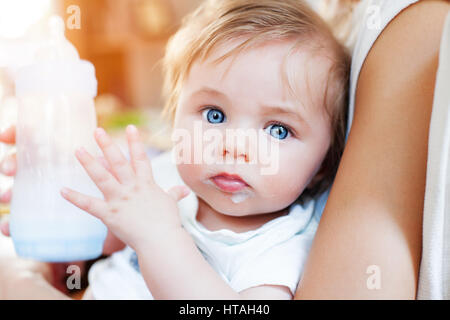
{"x": 372, "y": 16}
{"x": 434, "y": 280}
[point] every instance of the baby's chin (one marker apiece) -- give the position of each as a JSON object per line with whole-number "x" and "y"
{"x": 226, "y": 206}
{"x": 236, "y": 205}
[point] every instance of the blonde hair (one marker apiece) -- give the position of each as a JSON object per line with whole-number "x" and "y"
{"x": 217, "y": 22}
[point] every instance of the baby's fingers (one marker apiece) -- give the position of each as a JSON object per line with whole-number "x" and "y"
{"x": 119, "y": 164}
{"x": 8, "y": 165}
{"x": 6, "y": 196}
{"x": 9, "y": 135}
{"x": 94, "y": 206}
{"x": 4, "y": 228}
{"x": 139, "y": 159}
{"x": 104, "y": 180}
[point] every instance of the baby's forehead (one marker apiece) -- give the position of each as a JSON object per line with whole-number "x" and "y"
{"x": 276, "y": 69}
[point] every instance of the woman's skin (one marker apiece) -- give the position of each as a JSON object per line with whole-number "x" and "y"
{"x": 374, "y": 213}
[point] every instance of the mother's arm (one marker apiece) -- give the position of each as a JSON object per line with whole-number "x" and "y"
{"x": 374, "y": 212}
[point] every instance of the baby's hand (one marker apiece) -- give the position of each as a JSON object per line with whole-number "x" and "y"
{"x": 134, "y": 207}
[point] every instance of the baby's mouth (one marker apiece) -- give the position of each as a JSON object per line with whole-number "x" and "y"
{"x": 229, "y": 182}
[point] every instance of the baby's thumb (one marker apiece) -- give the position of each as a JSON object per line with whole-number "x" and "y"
{"x": 178, "y": 192}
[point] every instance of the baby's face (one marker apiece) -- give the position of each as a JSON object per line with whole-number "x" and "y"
{"x": 248, "y": 92}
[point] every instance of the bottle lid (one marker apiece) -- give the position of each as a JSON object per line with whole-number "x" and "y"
{"x": 57, "y": 68}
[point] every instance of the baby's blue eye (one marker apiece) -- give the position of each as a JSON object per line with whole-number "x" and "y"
{"x": 277, "y": 131}
{"x": 214, "y": 115}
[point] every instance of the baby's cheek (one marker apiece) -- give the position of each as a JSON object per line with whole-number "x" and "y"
{"x": 285, "y": 186}
{"x": 189, "y": 173}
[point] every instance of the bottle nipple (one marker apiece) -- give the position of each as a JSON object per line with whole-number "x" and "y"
{"x": 57, "y": 46}
{"x": 56, "y": 67}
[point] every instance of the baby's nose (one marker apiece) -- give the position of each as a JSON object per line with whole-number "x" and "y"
{"x": 237, "y": 149}
{"x": 243, "y": 155}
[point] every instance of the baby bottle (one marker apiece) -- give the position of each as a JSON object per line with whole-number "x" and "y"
{"x": 55, "y": 116}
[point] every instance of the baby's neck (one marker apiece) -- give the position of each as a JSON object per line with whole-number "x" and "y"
{"x": 213, "y": 220}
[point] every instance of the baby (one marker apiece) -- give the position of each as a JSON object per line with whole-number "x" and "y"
{"x": 212, "y": 218}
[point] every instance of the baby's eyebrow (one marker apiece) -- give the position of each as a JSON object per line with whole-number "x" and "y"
{"x": 286, "y": 111}
{"x": 209, "y": 91}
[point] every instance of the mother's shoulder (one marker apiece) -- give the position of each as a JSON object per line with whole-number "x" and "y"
{"x": 408, "y": 45}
